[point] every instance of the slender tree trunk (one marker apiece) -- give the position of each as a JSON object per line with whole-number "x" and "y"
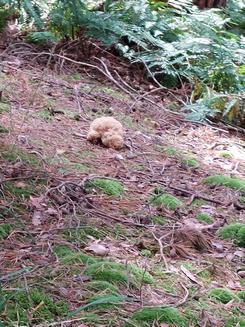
{"x": 210, "y": 3}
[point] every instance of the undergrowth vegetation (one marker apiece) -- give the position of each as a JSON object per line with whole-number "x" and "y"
{"x": 173, "y": 43}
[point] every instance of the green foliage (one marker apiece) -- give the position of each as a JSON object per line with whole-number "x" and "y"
{"x": 24, "y": 191}
{"x": 107, "y": 186}
{"x": 166, "y": 200}
{"x": 41, "y": 38}
{"x": 218, "y": 106}
{"x": 234, "y": 232}
{"x": 159, "y": 220}
{"x": 3, "y": 130}
{"x": 222, "y": 295}
{"x": 231, "y": 182}
{"x": 20, "y": 303}
{"x": 241, "y": 295}
{"x": 147, "y": 316}
{"x": 204, "y": 217}
{"x": 5, "y": 230}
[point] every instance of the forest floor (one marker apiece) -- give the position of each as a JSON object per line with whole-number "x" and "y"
{"x": 88, "y": 235}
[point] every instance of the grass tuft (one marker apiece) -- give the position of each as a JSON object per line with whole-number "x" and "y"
{"x": 204, "y": 217}
{"x": 107, "y": 186}
{"x": 165, "y": 200}
{"x": 231, "y": 182}
{"x": 222, "y": 295}
{"x": 5, "y": 230}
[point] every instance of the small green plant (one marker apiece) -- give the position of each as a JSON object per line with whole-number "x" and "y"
{"x": 5, "y": 230}
{"x": 4, "y": 107}
{"x": 146, "y": 253}
{"x": 24, "y": 191}
{"x": 147, "y": 316}
{"x": 190, "y": 162}
{"x": 168, "y": 201}
{"x": 107, "y": 186}
{"x": 171, "y": 151}
{"x": 235, "y": 232}
{"x": 225, "y": 154}
{"x": 241, "y": 295}
{"x": 159, "y": 220}
{"x": 222, "y": 295}
{"x": 242, "y": 199}
{"x": 41, "y": 38}
{"x": 45, "y": 115}
{"x": 204, "y": 217}
{"x": 231, "y": 182}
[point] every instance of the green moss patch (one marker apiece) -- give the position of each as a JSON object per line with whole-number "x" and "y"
{"x": 69, "y": 256}
{"x": 235, "y": 232}
{"x": 221, "y": 295}
{"x": 21, "y": 305}
{"x": 117, "y": 273}
{"x": 204, "y": 217}
{"x": 231, "y": 182}
{"x": 166, "y": 200}
{"x": 107, "y": 186}
{"x": 147, "y": 316}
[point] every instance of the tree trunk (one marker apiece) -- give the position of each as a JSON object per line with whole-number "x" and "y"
{"x": 210, "y": 3}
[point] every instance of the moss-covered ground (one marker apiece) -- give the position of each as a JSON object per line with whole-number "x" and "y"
{"x": 152, "y": 235}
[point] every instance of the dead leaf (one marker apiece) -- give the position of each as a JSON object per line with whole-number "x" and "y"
{"x": 190, "y": 275}
{"x": 60, "y": 151}
{"x": 21, "y": 185}
{"x": 52, "y": 212}
{"x": 37, "y": 218}
{"x": 97, "y": 249}
{"x": 37, "y": 202}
